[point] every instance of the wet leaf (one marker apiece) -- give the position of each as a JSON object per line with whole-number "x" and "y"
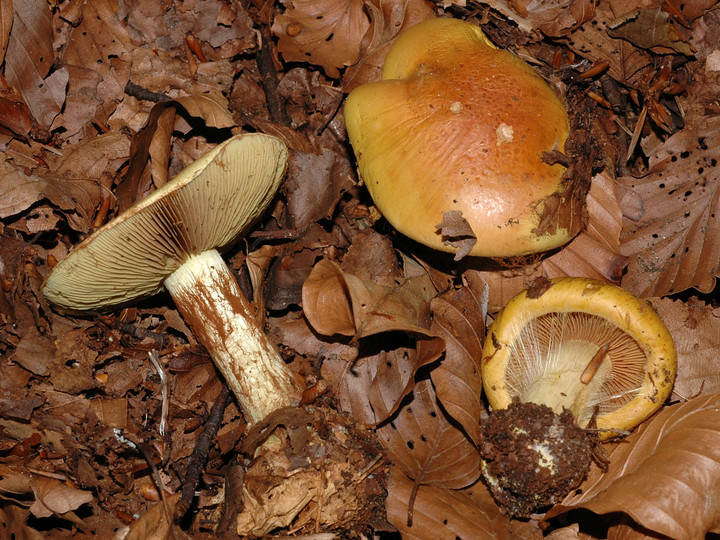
{"x": 665, "y": 476}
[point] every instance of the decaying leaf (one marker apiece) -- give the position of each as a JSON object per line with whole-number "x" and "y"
{"x": 673, "y": 245}
{"x": 326, "y": 33}
{"x": 444, "y": 513}
{"x": 665, "y": 476}
{"x": 695, "y": 328}
{"x": 456, "y": 232}
{"x": 650, "y": 29}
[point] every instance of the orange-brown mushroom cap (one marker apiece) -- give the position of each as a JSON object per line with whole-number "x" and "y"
{"x": 459, "y": 125}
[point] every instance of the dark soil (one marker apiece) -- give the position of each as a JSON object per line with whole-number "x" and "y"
{"x": 533, "y": 457}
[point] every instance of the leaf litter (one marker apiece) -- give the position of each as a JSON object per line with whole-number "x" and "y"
{"x": 103, "y": 101}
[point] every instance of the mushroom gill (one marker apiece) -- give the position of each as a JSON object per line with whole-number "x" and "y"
{"x": 557, "y": 359}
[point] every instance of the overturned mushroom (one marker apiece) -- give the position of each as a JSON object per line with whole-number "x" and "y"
{"x": 172, "y": 239}
{"x": 581, "y": 354}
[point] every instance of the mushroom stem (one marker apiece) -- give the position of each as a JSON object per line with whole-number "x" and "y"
{"x": 211, "y": 302}
{"x": 594, "y": 364}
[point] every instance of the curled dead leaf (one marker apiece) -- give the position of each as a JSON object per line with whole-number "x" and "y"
{"x": 665, "y": 476}
{"x": 336, "y": 302}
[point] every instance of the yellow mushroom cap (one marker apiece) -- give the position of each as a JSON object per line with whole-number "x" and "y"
{"x": 456, "y": 124}
{"x": 545, "y": 347}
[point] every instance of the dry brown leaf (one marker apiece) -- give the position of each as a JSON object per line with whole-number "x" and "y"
{"x": 456, "y": 232}
{"x": 212, "y": 109}
{"x": 695, "y": 328}
{"x": 155, "y": 524}
{"x": 14, "y": 113}
{"x": 336, "y": 302}
{"x": 53, "y": 497}
{"x": 107, "y": 53}
{"x": 325, "y": 33}
{"x": 459, "y": 319}
{"x": 665, "y": 476}
{"x": 595, "y": 253}
{"x": 313, "y": 186}
{"x": 76, "y": 184}
{"x": 422, "y": 442}
{"x": 444, "y": 513}
{"x": 14, "y": 518}
{"x": 6, "y": 22}
{"x": 626, "y": 63}
{"x": 29, "y": 58}
{"x": 651, "y": 29}
{"x": 673, "y": 246}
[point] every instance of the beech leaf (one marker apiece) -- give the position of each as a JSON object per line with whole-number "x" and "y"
{"x": 420, "y": 440}
{"x": 674, "y": 246}
{"x": 30, "y": 55}
{"x": 154, "y": 139}
{"x": 665, "y": 476}
{"x": 695, "y": 328}
{"x": 336, "y": 302}
{"x": 326, "y": 33}
{"x": 444, "y": 513}
{"x": 389, "y": 18}
{"x": 459, "y": 318}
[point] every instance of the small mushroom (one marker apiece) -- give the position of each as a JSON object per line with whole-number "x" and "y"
{"x": 566, "y": 355}
{"x": 458, "y": 127}
{"x": 171, "y": 239}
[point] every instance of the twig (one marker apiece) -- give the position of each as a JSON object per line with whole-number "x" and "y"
{"x": 266, "y": 66}
{"x": 163, "y": 389}
{"x": 233, "y": 503}
{"x": 143, "y": 94}
{"x": 200, "y": 452}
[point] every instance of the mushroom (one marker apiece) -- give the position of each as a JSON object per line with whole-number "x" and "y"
{"x": 171, "y": 239}
{"x": 458, "y": 127}
{"x": 581, "y": 354}
{"x": 582, "y": 345}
